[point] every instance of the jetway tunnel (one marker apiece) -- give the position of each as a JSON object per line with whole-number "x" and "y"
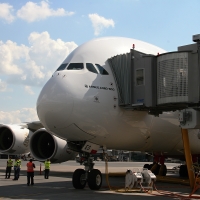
{"x": 165, "y": 82}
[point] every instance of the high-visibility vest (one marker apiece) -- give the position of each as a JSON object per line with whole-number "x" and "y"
{"x": 19, "y": 163}
{"x": 9, "y": 163}
{"x": 30, "y": 167}
{"x": 47, "y": 164}
{"x": 16, "y": 164}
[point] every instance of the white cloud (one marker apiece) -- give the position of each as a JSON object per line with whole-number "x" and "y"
{"x": 6, "y": 12}
{"x": 18, "y": 116}
{"x": 35, "y": 64}
{"x": 29, "y": 90}
{"x": 44, "y": 50}
{"x": 34, "y": 12}
{"x": 99, "y": 23}
{"x": 23, "y": 77}
{"x": 3, "y": 86}
{"x": 10, "y": 56}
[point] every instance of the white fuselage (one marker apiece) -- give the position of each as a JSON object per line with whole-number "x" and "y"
{"x": 78, "y": 105}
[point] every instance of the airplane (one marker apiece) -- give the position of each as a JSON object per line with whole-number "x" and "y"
{"x": 79, "y": 112}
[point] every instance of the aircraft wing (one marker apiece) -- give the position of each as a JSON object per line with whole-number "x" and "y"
{"x": 34, "y": 126}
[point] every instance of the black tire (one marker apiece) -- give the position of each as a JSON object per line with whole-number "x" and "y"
{"x": 183, "y": 172}
{"x": 78, "y": 179}
{"x": 162, "y": 170}
{"x": 146, "y": 166}
{"x": 155, "y": 168}
{"x": 150, "y": 166}
{"x": 94, "y": 179}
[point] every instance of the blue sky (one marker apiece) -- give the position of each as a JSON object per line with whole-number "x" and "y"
{"x": 36, "y": 36}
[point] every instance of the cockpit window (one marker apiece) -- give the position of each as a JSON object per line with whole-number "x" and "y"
{"x": 62, "y": 67}
{"x": 101, "y": 70}
{"x": 75, "y": 66}
{"x": 91, "y": 68}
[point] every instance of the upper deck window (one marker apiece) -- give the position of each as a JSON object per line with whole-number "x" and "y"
{"x": 101, "y": 70}
{"x": 62, "y": 67}
{"x": 75, "y": 66}
{"x": 91, "y": 68}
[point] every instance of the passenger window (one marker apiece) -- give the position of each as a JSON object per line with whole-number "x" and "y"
{"x": 75, "y": 66}
{"x": 91, "y": 68}
{"x": 140, "y": 76}
{"x": 62, "y": 67}
{"x": 101, "y": 70}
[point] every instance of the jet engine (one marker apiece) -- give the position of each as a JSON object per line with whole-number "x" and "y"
{"x": 14, "y": 139}
{"x": 44, "y": 145}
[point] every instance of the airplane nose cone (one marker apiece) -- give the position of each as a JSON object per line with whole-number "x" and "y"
{"x": 55, "y": 104}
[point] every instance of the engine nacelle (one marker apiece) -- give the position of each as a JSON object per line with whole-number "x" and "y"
{"x": 14, "y": 139}
{"x": 44, "y": 145}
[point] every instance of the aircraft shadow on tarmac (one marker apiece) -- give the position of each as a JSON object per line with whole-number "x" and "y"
{"x": 48, "y": 189}
{"x": 59, "y": 186}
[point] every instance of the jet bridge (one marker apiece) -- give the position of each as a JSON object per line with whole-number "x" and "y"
{"x": 165, "y": 82}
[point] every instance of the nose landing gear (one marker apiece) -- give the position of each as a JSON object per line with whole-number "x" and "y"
{"x": 79, "y": 179}
{"x": 88, "y": 175}
{"x": 95, "y": 179}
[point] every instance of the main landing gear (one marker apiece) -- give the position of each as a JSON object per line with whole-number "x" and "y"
{"x": 158, "y": 167}
{"x": 88, "y": 175}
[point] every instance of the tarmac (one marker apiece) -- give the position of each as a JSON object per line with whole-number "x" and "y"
{"x": 59, "y": 185}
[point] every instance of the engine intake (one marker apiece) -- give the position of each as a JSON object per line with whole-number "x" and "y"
{"x": 44, "y": 145}
{"x": 6, "y": 138}
{"x": 14, "y": 139}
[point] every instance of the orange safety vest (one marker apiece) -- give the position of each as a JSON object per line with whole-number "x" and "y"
{"x": 29, "y": 167}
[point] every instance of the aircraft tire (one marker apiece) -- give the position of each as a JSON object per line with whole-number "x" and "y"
{"x": 78, "y": 179}
{"x": 162, "y": 170}
{"x": 146, "y": 166}
{"x": 183, "y": 171}
{"x": 155, "y": 168}
{"x": 94, "y": 179}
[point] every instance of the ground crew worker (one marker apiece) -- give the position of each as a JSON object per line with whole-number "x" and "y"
{"x": 19, "y": 166}
{"x": 30, "y": 172}
{"x": 47, "y": 168}
{"x": 9, "y": 167}
{"x": 16, "y": 170}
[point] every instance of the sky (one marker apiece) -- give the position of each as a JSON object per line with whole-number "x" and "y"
{"x": 36, "y": 37}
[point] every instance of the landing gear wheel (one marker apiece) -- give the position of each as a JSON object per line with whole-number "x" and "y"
{"x": 183, "y": 171}
{"x": 162, "y": 170}
{"x": 146, "y": 166}
{"x": 94, "y": 179}
{"x": 78, "y": 179}
{"x": 155, "y": 168}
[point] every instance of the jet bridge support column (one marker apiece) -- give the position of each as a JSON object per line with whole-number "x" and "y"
{"x": 188, "y": 156}
{"x": 189, "y": 119}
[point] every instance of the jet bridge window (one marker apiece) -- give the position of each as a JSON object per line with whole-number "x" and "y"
{"x": 101, "y": 70}
{"x": 91, "y": 68}
{"x": 62, "y": 67}
{"x": 140, "y": 77}
{"x": 75, "y": 66}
